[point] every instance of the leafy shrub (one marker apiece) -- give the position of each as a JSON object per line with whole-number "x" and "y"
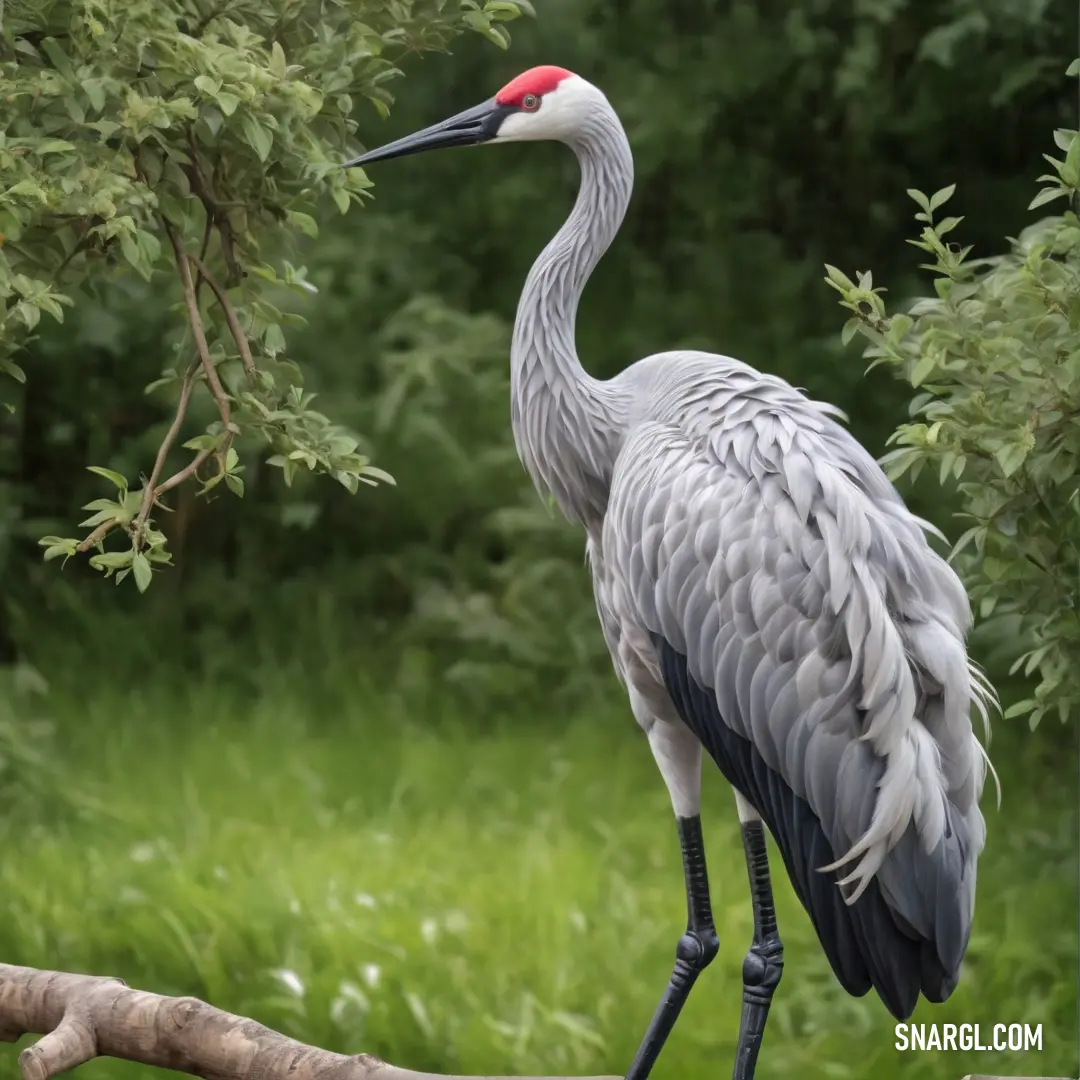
{"x": 995, "y": 358}
{"x": 197, "y": 145}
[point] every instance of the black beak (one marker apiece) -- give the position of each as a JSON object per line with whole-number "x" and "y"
{"x": 475, "y": 125}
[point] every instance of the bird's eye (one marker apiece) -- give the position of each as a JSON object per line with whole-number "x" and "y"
{"x": 530, "y": 103}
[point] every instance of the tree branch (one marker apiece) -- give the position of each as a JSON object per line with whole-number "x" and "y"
{"x": 87, "y": 1016}
{"x": 184, "y": 262}
{"x": 215, "y": 209}
{"x": 186, "y": 387}
{"x": 230, "y": 317}
{"x": 191, "y": 302}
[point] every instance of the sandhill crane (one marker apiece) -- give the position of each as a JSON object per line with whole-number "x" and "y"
{"x": 765, "y": 594}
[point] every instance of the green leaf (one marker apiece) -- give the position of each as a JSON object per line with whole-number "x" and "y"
{"x": 28, "y": 189}
{"x": 922, "y": 369}
{"x": 377, "y": 474}
{"x": 9, "y": 367}
{"x": 227, "y": 102}
{"x": 277, "y": 60}
{"x": 54, "y": 146}
{"x": 274, "y": 340}
{"x": 95, "y": 93}
{"x": 940, "y": 198}
{"x": 921, "y": 199}
{"x": 168, "y": 379}
{"x": 1019, "y": 708}
{"x": 899, "y": 325}
{"x": 135, "y": 255}
{"x": 1047, "y": 195}
{"x": 304, "y": 222}
{"x": 65, "y": 548}
{"x": 59, "y": 58}
{"x": 29, "y": 313}
{"x": 257, "y": 137}
{"x": 100, "y": 518}
{"x": 478, "y": 21}
{"x": 112, "y": 560}
{"x": 1073, "y": 68}
{"x": 1011, "y": 456}
{"x": 204, "y": 442}
{"x": 235, "y": 484}
{"x": 142, "y": 572}
{"x": 838, "y": 279}
{"x": 112, "y": 477}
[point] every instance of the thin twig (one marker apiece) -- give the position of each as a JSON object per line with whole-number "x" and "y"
{"x": 215, "y": 208}
{"x": 191, "y": 301}
{"x": 77, "y": 248}
{"x": 187, "y": 472}
{"x": 151, "y": 491}
{"x": 230, "y": 317}
{"x": 97, "y": 536}
{"x": 186, "y": 388}
{"x": 204, "y": 247}
{"x": 183, "y": 263}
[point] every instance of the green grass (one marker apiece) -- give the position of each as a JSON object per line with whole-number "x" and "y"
{"x": 503, "y": 898}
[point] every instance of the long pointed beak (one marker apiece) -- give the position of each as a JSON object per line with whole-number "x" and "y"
{"x": 475, "y": 125}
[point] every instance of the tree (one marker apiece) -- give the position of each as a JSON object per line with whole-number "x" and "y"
{"x": 192, "y": 141}
{"x": 995, "y": 358}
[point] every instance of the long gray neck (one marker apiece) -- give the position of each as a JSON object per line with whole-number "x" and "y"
{"x": 568, "y": 425}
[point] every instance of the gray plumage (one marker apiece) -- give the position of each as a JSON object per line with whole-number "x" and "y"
{"x": 765, "y": 596}
{"x": 735, "y": 520}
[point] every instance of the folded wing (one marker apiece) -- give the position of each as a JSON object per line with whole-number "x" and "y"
{"x": 814, "y": 642}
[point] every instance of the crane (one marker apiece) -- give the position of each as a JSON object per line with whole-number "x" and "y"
{"x": 767, "y": 597}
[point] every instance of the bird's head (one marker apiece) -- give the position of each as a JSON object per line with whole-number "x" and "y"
{"x": 542, "y": 103}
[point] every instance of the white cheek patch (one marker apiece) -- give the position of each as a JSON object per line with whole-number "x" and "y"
{"x": 556, "y": 118}
{"x": 521, "y": 125}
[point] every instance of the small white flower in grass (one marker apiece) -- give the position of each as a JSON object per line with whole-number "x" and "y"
{"x": 221, "y": 873}
{"x": 143, "y": 852}
{"x": 578, "y": 920}
{"x": 371, "y": 974}
{"x": 290, "y": 980}
{"x": 294, "y": 907}
{"x": 364, "y": 899}
{"x": 429, "y": 931}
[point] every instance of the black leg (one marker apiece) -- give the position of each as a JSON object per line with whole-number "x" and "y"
{"x": 764, "y": 963}
{"x": 695, "y": 951}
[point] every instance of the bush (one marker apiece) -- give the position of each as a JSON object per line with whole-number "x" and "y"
{"x": 995, "y": 356}
{"x": 195, "y": 146}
